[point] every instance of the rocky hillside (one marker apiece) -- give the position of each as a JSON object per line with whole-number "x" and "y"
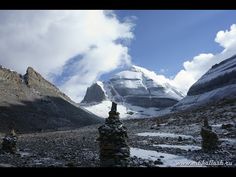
{"x": 135, "y": 89}
{"x": 216, "y": 84}
{"x": 30, "y": 103}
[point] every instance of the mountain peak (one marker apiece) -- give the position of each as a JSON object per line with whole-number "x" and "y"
{"x": 34, "y": 104}
{"x": 32, "y": 77}
{"x": 142, "y": 73}
{"x": 137, "y": 68}
{"x": 94, "y": 93}
{"x": 30, "y": 69}
{"x": 134, "y": 86}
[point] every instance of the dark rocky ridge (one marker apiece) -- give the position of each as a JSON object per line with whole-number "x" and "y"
{"x": 226, "y": 79}
{"x": 223, "y": 80}
{"x": 94, "y": 94}
{"x": 218, "y": 83}
{"x": 34, "y": 80}
{"x": 33, "y": 104}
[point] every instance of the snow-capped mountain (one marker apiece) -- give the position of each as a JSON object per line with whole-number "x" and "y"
{"x": 217, "y": 83}
{"x": 136, "y": 90}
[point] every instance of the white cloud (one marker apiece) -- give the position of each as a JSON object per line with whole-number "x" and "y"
{"x": 98, "y": 61}
{"x": 199, "y": 65}
{"x": 46, "y": 40}
{"x": 227, "y": 39}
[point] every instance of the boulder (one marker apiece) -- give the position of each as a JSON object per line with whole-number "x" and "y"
{"x": 210, "y": 139}
{"x": 9, "y": 143}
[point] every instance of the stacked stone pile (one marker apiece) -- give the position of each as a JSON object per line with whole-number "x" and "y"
{"x": 9, "y": 143}
{"x": 114, "y": 149}
{"x": 210, "y": 139}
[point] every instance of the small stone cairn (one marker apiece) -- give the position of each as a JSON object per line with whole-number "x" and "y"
{"x": 209, "y": 138}
{"x": 114, "y": 149}
{"x": 9, "y": 142}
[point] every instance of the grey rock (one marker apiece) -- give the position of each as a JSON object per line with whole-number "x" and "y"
{"x": 94, "y": 94}
{"x": 227, "y": 126}
{"x": 210, "y": 140}
{"x": 36, "y": 105}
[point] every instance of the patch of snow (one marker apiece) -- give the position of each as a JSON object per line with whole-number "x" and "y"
{"x": 102, "y": 87}
{"x": 136, "y": 81}
{"x": 140, "y": 112}
{"x": 150, "y": 74}
{"x": 126, "y": 111}
{"x": 5, "y": 165}
{"x": 108, "y": 87}
{"x": 217, "y": 125}
{"x": 128, "y": 75}
{"x": 24, "y": 154}
{"x": 183, "y": 147}
{"x": 157, "y": 81}
{"x": 164, "y": 135}
{"x": 169, "y": 160}
{"x": 104, "y": 107}
{"x": 230, "y": 140}
{"x": 163, "y": 124}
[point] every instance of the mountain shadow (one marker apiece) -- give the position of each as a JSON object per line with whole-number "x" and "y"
{"x": 45, "y": 114}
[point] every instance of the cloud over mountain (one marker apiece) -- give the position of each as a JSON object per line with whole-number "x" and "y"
{"x": 48, "y": 40}
{"x": 74, "y": 48}
{"x": 196, "y": 67}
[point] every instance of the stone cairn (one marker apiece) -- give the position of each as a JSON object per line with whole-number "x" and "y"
{"x": 209, "y": 138}
{"x": 114, "y": 149}
{"x": 9, "y": 142}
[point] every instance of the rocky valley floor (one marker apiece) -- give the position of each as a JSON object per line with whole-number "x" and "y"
{"x": 169, "y": 141}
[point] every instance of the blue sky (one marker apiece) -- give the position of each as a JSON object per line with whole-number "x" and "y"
{"x": 164, "y": 39}
{"x": 75, "y": 48}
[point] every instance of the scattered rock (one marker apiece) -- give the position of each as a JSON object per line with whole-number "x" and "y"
{"x": 227, "y": 126}
{"x": 180, "y": 138}
{"x": 71, "y": 164}
{"x": 158, "y": 162}
{"x": 206, "y": 124}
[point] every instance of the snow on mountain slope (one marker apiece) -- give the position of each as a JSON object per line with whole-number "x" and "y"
{"x": 218, "y": 83}
{"x": 126, "y": 111}
{"x": 146, "y": 83}
{"x": 169, "y": 160}
{"x": 227, "y": 66}
{"x": 142, "y": 92}
{"x": 140, "y": 87}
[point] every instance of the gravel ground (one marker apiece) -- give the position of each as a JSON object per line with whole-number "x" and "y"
{"x": 79, "y": 148}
